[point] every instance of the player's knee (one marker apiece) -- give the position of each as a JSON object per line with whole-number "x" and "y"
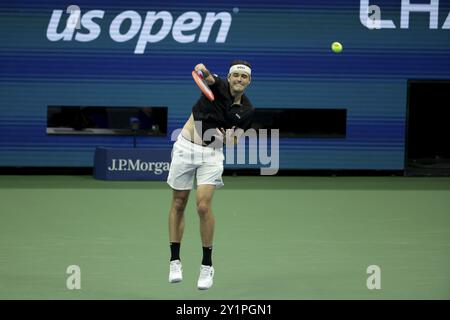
{"x": 203, "y": 208}
{"x": 179, "y": 204}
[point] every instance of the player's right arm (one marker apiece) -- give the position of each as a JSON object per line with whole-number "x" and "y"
{"x": 206, "y": 74}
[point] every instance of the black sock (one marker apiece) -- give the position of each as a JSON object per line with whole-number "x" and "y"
{"x": 174, "y": 251}
{"x": 207, "y": 256}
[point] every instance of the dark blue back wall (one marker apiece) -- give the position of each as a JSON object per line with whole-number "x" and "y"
{"x": 287, "y": 42}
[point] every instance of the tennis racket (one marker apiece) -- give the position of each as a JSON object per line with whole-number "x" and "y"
{"x": 201, "y": 83}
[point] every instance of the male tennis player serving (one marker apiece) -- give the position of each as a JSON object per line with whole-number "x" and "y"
{"x": 198, "y": 152}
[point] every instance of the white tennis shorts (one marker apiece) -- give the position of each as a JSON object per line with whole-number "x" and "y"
{"x": 190, "y": 160}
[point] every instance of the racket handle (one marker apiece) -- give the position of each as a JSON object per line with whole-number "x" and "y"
{"x": 200, "y": 73}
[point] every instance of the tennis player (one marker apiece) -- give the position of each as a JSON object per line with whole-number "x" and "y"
{"x": 198, "y": 153}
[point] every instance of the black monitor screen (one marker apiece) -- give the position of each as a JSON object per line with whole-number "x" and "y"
{"x": 303, "y": 123}
{"x": 107, "y": 120}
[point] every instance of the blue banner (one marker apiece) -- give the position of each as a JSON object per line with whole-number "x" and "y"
{"x": 131, "y": 164}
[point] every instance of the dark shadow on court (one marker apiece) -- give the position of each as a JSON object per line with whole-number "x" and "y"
{"x": 234, "y": 183}
{"x": 336, "y": 183}
{"x": 75, "y": 182}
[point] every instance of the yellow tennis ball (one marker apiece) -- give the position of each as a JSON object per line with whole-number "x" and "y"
{"x": 336, "y": 47}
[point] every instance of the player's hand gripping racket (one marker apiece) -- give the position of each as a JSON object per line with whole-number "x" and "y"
{"x": 201, "y": 83}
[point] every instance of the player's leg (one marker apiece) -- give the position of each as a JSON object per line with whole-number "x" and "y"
{"x": 209, "y": 178}
{"x": 176, "y": 229}
{"x": 181, "y": 180}
{"x": 176, "y": 215}
{"x": 205, "y": 194}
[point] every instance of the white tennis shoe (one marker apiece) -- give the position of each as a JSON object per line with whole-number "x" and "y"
{"x": 176, "y": 271}
{"x": 205, "y": 279}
